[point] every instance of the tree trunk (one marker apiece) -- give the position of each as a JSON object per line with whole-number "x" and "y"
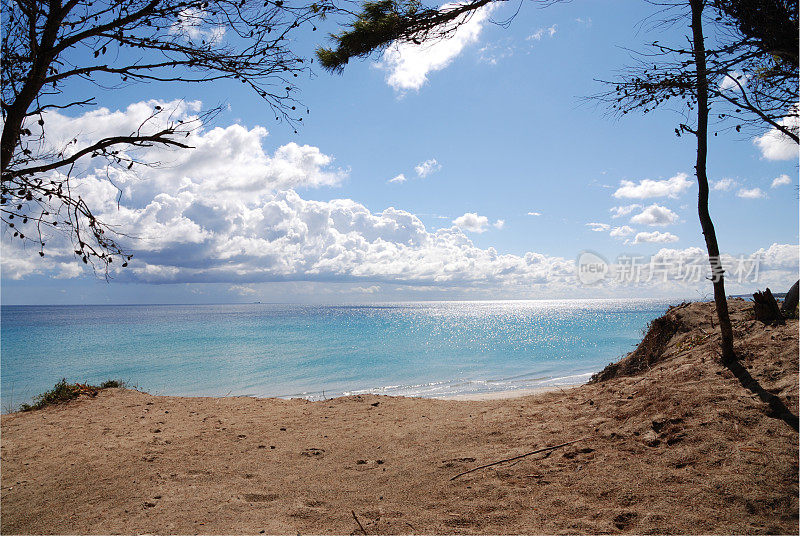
{"x": 32, "y": 88}
{"x": 766, "y": 308}
{"x": 717, "y": 273}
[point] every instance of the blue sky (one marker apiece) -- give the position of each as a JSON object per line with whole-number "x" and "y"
{"x": 522, "y": 175}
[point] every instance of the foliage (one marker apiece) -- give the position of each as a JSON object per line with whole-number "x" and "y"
{"x": 771, "y": 25}
{"x": 382, "y": 22}
{"x": 49, "y": 46}
{"x": 64, "y": 392}
{"x": 752, "y": 76}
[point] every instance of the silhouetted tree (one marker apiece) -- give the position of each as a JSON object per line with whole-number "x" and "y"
{"x": 47, "y": 44}
{"x": 740, "y": 71}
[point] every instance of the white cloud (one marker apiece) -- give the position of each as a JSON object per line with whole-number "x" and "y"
{"x": 775, "y": 145}
{"x": 229, "y": 161}
{"x": 654, "y": 236}
{"x": 733, "y": 80}
{"x": 618, "y": 212}
{"x": 372, "y": 289}
{"x": 655, "y": 215}
{"x": 783, "y": 180}
{"x": 399, "y": 178}
{"x": 672, "y": 187}
{"x": 408, "y": 64}
{"x": 542, "y": 32}
{"x": 227, "y": 212}
{"x": 534, "y": 213}
{"x": 751, "y": 193}
{"x": 775, "y": 266}
{"x": 192, "y": 25}
{"x": 427, "y": 167}
{"x": 724, "y": 185}
{"x": 623, "y": 231}
{"x": 779, "y": 257}
{"x": 499, "y": 224}
{"x": 598, "y": 227}
{"x": 470, "y": 221}
{"x": 198, "y": 222}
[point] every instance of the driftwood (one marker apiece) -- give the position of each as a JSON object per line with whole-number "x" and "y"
{"x": 545, "y": 449}
{"x": 790, "y": 301}
{"x": 766, "y": 308}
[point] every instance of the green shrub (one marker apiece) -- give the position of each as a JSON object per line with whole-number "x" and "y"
{"x": 64, "y": 392}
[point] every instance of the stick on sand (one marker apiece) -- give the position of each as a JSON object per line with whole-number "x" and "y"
{"x": 359, "y": 522}
{"x": 545, "y": 449}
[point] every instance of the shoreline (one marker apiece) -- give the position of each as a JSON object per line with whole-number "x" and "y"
{"x": 508, "y": 394}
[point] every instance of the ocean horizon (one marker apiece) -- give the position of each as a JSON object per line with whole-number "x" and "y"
{"x": 428, "y": 349}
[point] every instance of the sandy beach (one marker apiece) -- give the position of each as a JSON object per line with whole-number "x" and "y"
{"x": 670, "y": 442}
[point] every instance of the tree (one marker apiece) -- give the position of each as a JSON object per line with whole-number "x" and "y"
{"x": 764, "y": 84}
{"x": 759, "y": 63}
{"x": 700, "y": 83}
{"x": 47, "y": 45}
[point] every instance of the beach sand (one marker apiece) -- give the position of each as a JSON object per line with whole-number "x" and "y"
{"x": 512, "y": 393}
{"x": 681, "y": 447}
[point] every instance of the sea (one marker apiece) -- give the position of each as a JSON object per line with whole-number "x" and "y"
{"x": 427, "y": 349}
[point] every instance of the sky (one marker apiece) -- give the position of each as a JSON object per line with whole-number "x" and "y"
{"x": 472, "y": 168}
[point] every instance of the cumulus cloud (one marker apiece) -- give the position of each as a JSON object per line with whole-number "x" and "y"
{"x": 655, "y": 215}
{"x": 654, "y": 237}
{"x": 427, "y": 167}
{"x": 472, "y": 222}
{"x": 621, "y": 232}
{"x": 408, "y": 65}
{"x": 399, "y": 178}
{"x": 534, "y": 213}
{"x": 618, "y": 212}
{"x": 724, "y": 185}
{"x": 775, "y": 145}
{"x": 196, "y": 221}
{"x": 750, "y": 193}
{"x": 230, "y": 212}
{"x": 672, "y": 187}
{"x": 779, "y": 257}
{"x": 229, "y": 161}
{"x": 783, "y": 180}
{"x": 191, "y": 237}
{"x": 598, "y": 227}
{"x": 499, "y": 224}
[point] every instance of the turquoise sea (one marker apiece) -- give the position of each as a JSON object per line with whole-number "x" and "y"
{"x": 415, "y": 349}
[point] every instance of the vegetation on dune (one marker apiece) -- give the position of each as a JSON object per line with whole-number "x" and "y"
{"x": 64, "y": 392}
